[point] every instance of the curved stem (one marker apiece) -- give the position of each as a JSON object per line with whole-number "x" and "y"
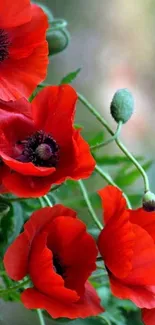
{"x": 11, "y": 289}
{"x": 42, "y": 203}
{"x": 109, "y": 180}
{"x": 136, "y": 163}
{"x": 89, "y": 205}
{"x": 47, "y": 200}
{"x": 118, "y": 142}
{"x": 41, "y": 317}
{"x": 113, "y": 138}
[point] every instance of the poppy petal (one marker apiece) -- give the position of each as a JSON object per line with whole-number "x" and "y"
{"x": 21, "y": 105}
{"x": 33, "y": 186}
{"x": 33, "y": 33}
{"x": 148, "y": 316}
{"x": 25, "y": 75}
{"x": 89, "y": 306}
{"x": 113, "y": 202}
{"x": 141, "y": 296}
{"x": 53, "y": 111}
{"x": 14, "y": 14}
{"x": 40, "y": 262}
{"x": 16, "y": 260}
{"x": 28, "y": 169}
{"x": 143, "y": 260}
{"x": 144, "y": 219}
{"x": 116, "y": 243}
{"x": 76, "y": 250}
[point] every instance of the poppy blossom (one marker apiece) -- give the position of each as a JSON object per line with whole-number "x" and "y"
{"x": 59, "y": 255}
{"x": 127, "y": 245}
{"x": 148, "y": 316}
{"x": 39, "y": 144}
{"x": 23, "y": 48}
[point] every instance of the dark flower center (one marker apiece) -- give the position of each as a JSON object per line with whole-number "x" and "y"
{"x": 4, "y": 45}
{"x": 40, "y": 149}
{"x": 57, "y": 266}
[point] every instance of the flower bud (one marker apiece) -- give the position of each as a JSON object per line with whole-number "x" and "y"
{"x": 149, "y": 201}
{"x": 122, "y": 105}
{"x": 57, "y": 40}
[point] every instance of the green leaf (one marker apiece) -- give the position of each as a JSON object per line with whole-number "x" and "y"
{"x": 114, "y": 160}
{"x": 4, "y": 208}
{"x": 10, "y": 226}
{"x": 98, "y": 138}
{"x": 124, "y": 179}
{"x": 70, "y": 77}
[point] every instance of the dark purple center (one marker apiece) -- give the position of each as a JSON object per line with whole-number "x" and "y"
{"x": 57, "y": 266}
{"x": 4, "y": 45}
{"x": 40, "y": 149}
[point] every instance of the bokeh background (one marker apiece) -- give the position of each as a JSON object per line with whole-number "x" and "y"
{"x": 114, "y": 44}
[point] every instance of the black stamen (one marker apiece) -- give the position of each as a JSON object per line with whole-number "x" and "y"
{"x": 40, "y": 149}
{"x": 4, "y": 45}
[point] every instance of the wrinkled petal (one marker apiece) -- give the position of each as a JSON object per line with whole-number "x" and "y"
{"x": 33, "y": 33}
{"x": 53, "y": 111}
{"x": 21, "y": 106}
{"x": 148, "y": 316}
{"x": 75, "y": 249}
{"x": 141, "y": 296}
{"x": 88, "y": 306}
{"x": 28, "y": 169}
{"x": 116, "y": 243}
{"x": 15, "y": 259}
{"x": 25, "y": 75}
{"x": 14, "y": 13}
{"x": 113, "y": 202}
{"x": 76, "y": 162}
{"x": 40, "y": 262}
{"x": 144, "y": 219}
{"x": 143, "y": 259}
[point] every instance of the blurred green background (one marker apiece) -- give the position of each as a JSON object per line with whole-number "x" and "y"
{"x": 113, "y": 42}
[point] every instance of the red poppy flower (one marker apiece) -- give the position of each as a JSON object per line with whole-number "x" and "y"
{"x": 127, "y": 246}
{"x": 148, "y": 316}
{"x": 39, "y": 143}
{"x": 23, "y": 48}
{"x": 59, "y": 255}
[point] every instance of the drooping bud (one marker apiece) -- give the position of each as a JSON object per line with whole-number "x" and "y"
{"x": 57, "y": 40}
{"x": 149, "y": 201}
{"x": 122, "y": 105}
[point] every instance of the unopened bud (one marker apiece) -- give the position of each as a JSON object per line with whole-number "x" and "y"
{"x": 57, "y": 40}
{"x": 149, "y": 201}
{"x": 122, "y": 105}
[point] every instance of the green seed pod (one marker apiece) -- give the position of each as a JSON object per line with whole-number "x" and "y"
{"x": 122, "y": 105}
{"x": 57, "y": 40}
{"x": 149, "y": 201}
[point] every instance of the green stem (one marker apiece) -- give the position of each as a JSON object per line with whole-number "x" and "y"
{"x": 118, "y": 142}
{"x": 109, "y": 180}
{"x": 41, "y": 317}
{"x": 89, "y": 205}
{"x": 47, "y": 200}
{"x": 113, "y": 138}
{"x": 42, "y": 203}
{"x": 11, "y": 289}
{"x": 136, "y": 163}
